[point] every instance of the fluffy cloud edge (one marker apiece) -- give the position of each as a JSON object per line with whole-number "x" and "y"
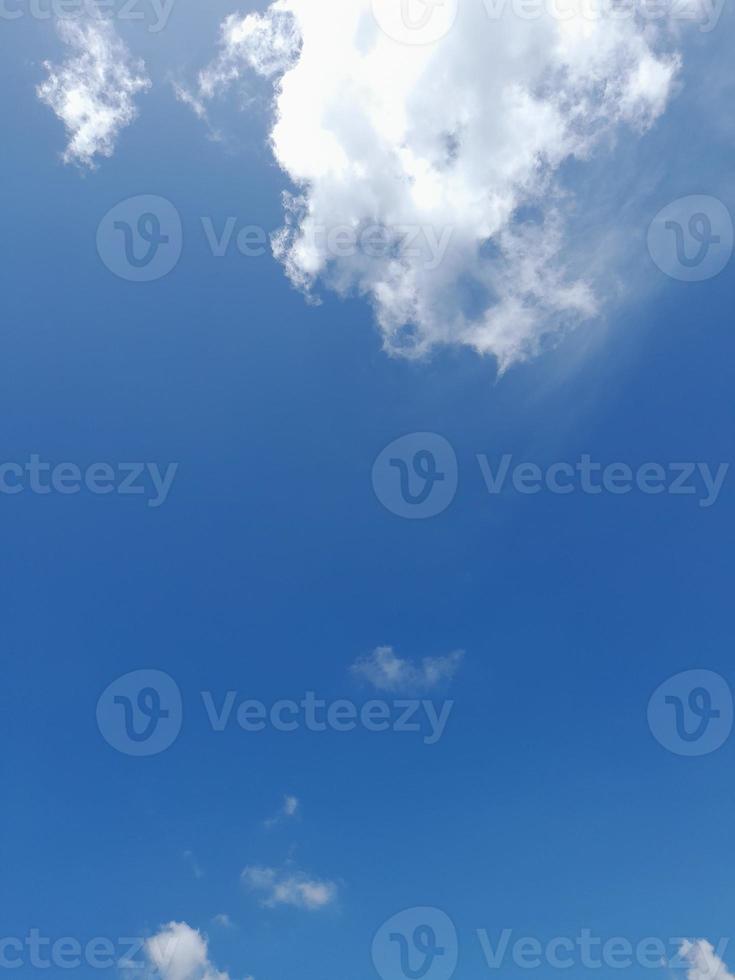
{"x": 704, "y": 961}
{"x": 179, "y": 952}
{"x": 92, "y": 92}
{"x": 378, "y": 137}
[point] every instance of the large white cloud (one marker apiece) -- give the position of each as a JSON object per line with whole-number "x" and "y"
{"x": 93, "y": 91}
{"x": 426, "y": 175}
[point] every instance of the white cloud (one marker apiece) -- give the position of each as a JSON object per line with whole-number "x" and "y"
{"x": 179, "y": 952}
{"x": 223, "y": 919}
{"x": 704, "y": 963}
{"x": 289, "y": 888}
{"x": 93, "y": 91}
{"x": 267, "y": 45}
{"x": 291, "y": 806}
{"x": 456, "y": 145}
{"x": 386, "y": 671}
{"x": 288, "y": 810}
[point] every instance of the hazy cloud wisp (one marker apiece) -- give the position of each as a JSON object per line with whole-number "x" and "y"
{"x": 386, "y": 671}
{"x": 289, "y": 888}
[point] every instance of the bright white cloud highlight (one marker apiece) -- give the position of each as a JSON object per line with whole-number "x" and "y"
{"x": 179, "y": 952}
{"x": 289, "y": 888}
{"x": 386, "y": 671}
{"x": 93, "y": 91}
{"x": 426, "y": 176}
{"x": 704, "y": 963}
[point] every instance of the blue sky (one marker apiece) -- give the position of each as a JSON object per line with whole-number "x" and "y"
{"x": 547, "y": 806}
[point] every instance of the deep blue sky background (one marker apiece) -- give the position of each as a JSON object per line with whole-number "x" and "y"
{"x": 548, "y": 806}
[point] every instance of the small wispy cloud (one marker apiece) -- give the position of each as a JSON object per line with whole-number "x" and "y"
{"x": 288, "y": 810}
{"x": 223, "y": 920}
{"x": 267, "y": 46}
{"x": 93, "y": 91}
{"x": 386, "y": 671}
{"x": 191, "y": 860}
{"x": 289, "y": 888}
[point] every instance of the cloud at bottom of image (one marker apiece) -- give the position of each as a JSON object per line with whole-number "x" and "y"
{"x": 703, "y": 961}
{"x": 179, "y": 952}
